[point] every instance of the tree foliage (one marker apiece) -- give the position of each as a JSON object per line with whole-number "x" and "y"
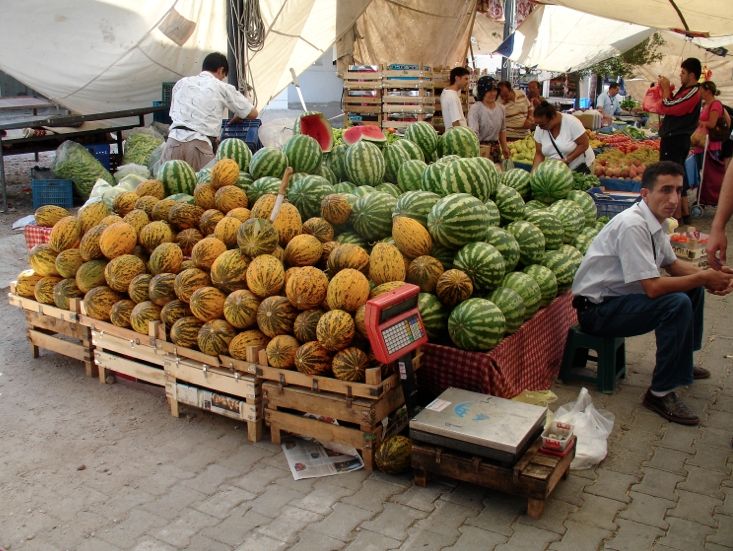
{"x": 624, "y": 65}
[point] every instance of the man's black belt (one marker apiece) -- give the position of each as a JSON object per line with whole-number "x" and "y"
{"x": 581, "y": 303}
{"x": 213, "y": 139}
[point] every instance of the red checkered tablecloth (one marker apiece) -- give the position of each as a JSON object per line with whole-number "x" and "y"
{"x": 527, "y": 360}
{"x": 36, "y": 235}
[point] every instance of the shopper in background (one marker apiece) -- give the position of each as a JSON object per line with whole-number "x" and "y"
{"x": 534, "y": 94}
{"x": 620, "y": 290}
{"x": 563, "y": 137}
{"x": 681, "y": 111}
{"x": 198, "y": 105}
{"x": 518, "y": 111}
{"x": 717, "y": 240}
{"x": 608, "y": 103}
{"x": 450, "y": 98}
{"x": 486, "y": 118}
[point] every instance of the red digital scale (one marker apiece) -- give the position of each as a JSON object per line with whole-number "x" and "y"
{"x": 395, "y": 331}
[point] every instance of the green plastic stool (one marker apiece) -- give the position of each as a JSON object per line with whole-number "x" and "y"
{"x": 610, "y": 359}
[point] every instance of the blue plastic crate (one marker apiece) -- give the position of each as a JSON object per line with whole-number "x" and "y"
{"x": 523, "y": 166}
{"x": 100, "y": 152}
{"x": 609, "y": 203}
{"x": 49, "y": 190}
{"x": 620, "y": 184}
{"x": 247, "y": 130}
{"x": 162, "y": 116}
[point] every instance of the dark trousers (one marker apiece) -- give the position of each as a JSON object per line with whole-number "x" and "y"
{"x": 676, "y": 149}
{"x": 676, "y": 319}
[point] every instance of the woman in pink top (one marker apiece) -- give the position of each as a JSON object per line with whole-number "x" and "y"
{"x": 711, "y": 112}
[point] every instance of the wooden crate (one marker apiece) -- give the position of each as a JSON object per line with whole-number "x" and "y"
{"x": 362, "y": 96}
{"x": 56, "y": 330}
{"x": 534, "y": 476}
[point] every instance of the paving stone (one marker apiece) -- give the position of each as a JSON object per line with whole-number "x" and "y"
{"x": 222, "y": 502}
{"x": 685, "y": 535}
{"x": 580, "y": 537}
{"x": 302, "y": 486}
{"x": 711, "y": 437}
{"x": 257, "y": 480}
{"x": 528, "y": 538}
{"x": 394, "y": 521}
{"x": 288, "y": 523}
{"x": 672, "y": 461}
{"x": 260, "y": 542}
{"x": 679, "y": 437}
{"x": 370, "y": 541}
{"x": 94, "y": 544}
{"x": 373, "y": 494}
{"x": 313, "y": 541}
{"x": 554, "y": 515}
{"x": 200, "y": 543}
{"x": 420, "y": 498}
{"x": 612, "y": 485}
{"x": 171, "y": 504}
{"x": 342, "y": 521}
{"x": 711, "y": 458}
{"x": 124, "y": 501}
{"x": 571, "y": 489}
{"x": 657, "y": 483}
{"x": 67, "y": 534}
{"x": 717, "y": 419}
{"x": 648, "y": 422}
{"x": 236, "y": 527}
{"x": 647, "y": 509}
{"x": 715, "y": 547}
{"x": 727, "y": 506}
{"x": 421, "y": 539}
{"x": 468, "y": 495}
{"x": 695, "y": 507}
{"x": 499, "y": 513}
{"x": 272, "y": 500}
{"x": 352, "y": 480}
{"x": 702, "y": 481}
{"x": 28, "y": 524}
{"x": 632, "y": 536}
{"x": 128, "y": 531}
{"x": 149, "y": 544}
{"x": 208, "y": 481}
{"x": 322, "y": 499}
{"x": 180, "y": 531}
{"x": 473, "y": 537}
{"x": 597, "y": 511}
{"x": 446, "y": 518}
{"x": 628, "y": 453}
{"x": 723, "y": 534}
{"x": 81, "y": 499}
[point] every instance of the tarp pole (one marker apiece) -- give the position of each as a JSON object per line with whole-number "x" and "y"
{"x": 510, "y": 11}
{"x": 232, "y": 41}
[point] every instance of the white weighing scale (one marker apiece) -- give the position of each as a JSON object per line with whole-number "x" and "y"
{"x": 479, "y": 424}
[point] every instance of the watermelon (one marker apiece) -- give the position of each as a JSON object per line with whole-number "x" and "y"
{"x": 336, "y": 161}
{"x": 506, "y": 244}
{"x": 476, "y": 324}
{"x": 470, "y": 176}
{"x": 585, "y": 238}
{"x": 573, "y": 254}
{"x": 551, "y": 180}
{"x": 531, "y": 241}
{"x": 444, "y": 254}
{"x": 546, "y": 280}
{"x": 317, "y": 127}
{"x": 304, "y": 153}
{"x": 372, "y": 214}
{"x": 586, "y": 203}
{"x": 458, "y": 219}
{"x": 234, "y": 148}
{"x": 409, "y": 176}
{"x": 244, "y": 181}
{"x": 483, "y": 263}
{"x": 387, "y": 187}
{"x": 562, "y": 266}
{"x": 203, "y": 176}
{"x": 571, "y": 216}
{"x": 432, "y": 178}
{"x": 261, "y": 186}
{"x": 511, "y": 305}
{"x": 306, "y": 193}
{"x": 411, "y": 148}
{"x": 365, "y": 164}
{"x": 177, "y": 177}
{"x": 461, "y": 141}
{"x": 345, "y": 187}
{"x": 518, "y": 179}
{"x": 353, "y": 238}
{"x": 416, "y": 205}
{"x": 434, "y": 315}
{"x": 296, "y": 124}
{"x": 394, "y": 156}
{"x": 527, "y": 288}
{"x": 494, "y": 214}
{"x": 533, "y": 205}
{"x": 361, "y": 191}
{"x": 550, "y": 226}
{"x": 424, "y": 135}
{"x": 367, "y": 132}
{"x": 268, "y": 161}
{"x": 328, "y": 174}
{"x": 510, "y": 204}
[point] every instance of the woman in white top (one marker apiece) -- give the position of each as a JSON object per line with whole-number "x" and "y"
{"x": 563, "y": 137}
{"x": 486, "y": 119}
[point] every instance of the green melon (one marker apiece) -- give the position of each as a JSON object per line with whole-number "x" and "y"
{"x": 531, "y": 241}
{"x": 434, "y": 315}
{"x": 506, "y": 244}
{"x": 546, "y": 280}
{"x": 409, "y": 176}
{"x": 519, "y": 180}
{"x": 551, "y": 180}
{"x": 268, "y": 161}
{"x": 177, "y": 177}
{"x": 527, "y": 288}
{"x": 424, "y": 135}
{"x": 365, "y": 164}
{"x": 458, "y": 219}
{"x": 416, "y": 204}
{"x": 306, "y": 193}
{"x": 461, "y": 141}
{"x": 476, "y": 324}
{"x": 304, "y": 153}
{"x": 236, "y": 149}
{"x": 372, "y": 215}
{"x": 483, "y": 263}
{"x": 550, "y": 226}
{"x": 511, "y": 305}
{"x": 510, "y": 204}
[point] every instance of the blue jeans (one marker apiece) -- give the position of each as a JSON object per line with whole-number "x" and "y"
{"x": 676, "y": 319}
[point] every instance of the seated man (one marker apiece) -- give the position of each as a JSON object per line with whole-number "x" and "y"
{"x": 620, "y": 290}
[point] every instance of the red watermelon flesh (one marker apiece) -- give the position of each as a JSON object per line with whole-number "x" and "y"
{"x": 318, "y": 127}
{"x": 367, "y": 132}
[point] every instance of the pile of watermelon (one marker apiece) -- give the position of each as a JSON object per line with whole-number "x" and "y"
{"x": 197, "y": 250}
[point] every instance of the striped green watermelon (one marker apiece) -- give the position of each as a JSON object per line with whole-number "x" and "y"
{"x": 244, "y": 181}
{"x": 394, "y": 156}
{"x": 585, "y": 238}
{"x": 546, "y": 280}
{"x": 353, "y": 238}
{"x": 307, "y": 192}
{"x": 416, "y": 204}
{"x": 491, "y": 173}
{"x": 461, "y": 141}
{"x": 268, "y": 161}
{"x": 448, "y": 159}
{"x": 371, "y": 215}
{"x": 469, "y": 176}
{"x": 494, "y": 214}
{"x": 531, "y": 241}
{"x": 392, "y": 189}
{"x": 304, "y": 153}
{"x": 203, "y": 176}
{"x": 550, "y": 225}
{"x": 551, "y": 180}
{"x": 296, "y": 125}
{"x": 458, "y": 219}
{"x": 177, "y": 177}
{"x": 434, "y": 315}
{"x": 411, "y": 148}
{"x": 365, "y": 164}
{"x": 518, "y": 179}
{"x": 527, "y": 288}
{"x": 266, "y": 184}
{"x": 476, "y": 324}
{"x": 534, "y": 204}
{"x": 182, "y": 198}
{"x": 562, "y": 266}
{"x": 409, "y": 176}
{"x": 344, "y": 187}
{"x": 483, "y": 263}
{"x": 571, "y": 217}
{"x": 336, "y": 161}
{"x": 444, "y": 254}
{"x": 573, "y": 254}
{"x": 510, "y": 203}
{"x": 506, "y": 244}
{"x": 234, "y": 148}
{"x": 586, "y": 203}
{"x": 511, "y": 305}
{"x": 424, "y": 135}
{"x": 361, "y": 191}
{"x": 432, "y": 178}
{"x": 328, "y": 174}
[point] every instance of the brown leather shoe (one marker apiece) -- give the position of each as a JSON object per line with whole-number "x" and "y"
{"x": 671, "y": 408}
{"x": 700, "y": 373}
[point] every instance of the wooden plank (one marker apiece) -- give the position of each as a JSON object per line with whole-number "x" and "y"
{"x": 361, "y": 109}
{"x": 330, "y": 405}
{"x": 362, "y": 85}
{"x": 44, "y": 309}
{"x": 419, "y": 100}
{"x": 220, "y": 380}
{"x": 396, "y": 84}
{"x": 362, "y": 75}
{"x": 127, "y": 348}
{"x": 390, "y": 108}
{"x": 304, "y": 426}
{"x": 138, "y": 370}
{"x": 361, "y": 100}
{"x": 54, "y": 344}
{"x": 194, "y": 355}
{"x": 120, "y": 332}
{"x": 68, "y": 328}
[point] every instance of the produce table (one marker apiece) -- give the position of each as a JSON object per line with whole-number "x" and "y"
{"x": 527, "y": 360}
{"x": 36, "y": 235}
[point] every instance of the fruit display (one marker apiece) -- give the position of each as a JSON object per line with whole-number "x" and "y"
{"x": 616, "y": 163}
{"x": 522, "y": 151}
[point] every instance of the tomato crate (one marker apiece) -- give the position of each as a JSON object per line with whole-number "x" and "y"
{"x": 56, "y": 330}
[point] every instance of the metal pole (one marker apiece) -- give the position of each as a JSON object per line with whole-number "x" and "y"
{"x": 2, "y": 182}
{"x": 232, "y": 41}
{"x": 510, "y": 8}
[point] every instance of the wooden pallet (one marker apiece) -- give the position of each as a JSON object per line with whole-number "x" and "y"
{"x": 362, "y": 80}
{"x": 57, "y": 330}
{"x": 534, "y": 476}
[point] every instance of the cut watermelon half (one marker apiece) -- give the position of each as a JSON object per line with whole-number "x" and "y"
{"x": 317, "y": 127}
{"x": 367, "y": 132}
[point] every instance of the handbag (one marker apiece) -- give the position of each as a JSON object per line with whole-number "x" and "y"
{"x": 582, "y": 168}
{"x": 721, "y": 131}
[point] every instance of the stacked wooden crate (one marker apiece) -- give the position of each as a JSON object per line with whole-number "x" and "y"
{"x": 362, "y": 96}
{"x": 407, "y": 95}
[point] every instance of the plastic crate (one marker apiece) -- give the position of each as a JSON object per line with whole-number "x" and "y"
{"x": 49, "y": 190}
{"x": 247, "y": 130}
{"x": 167, "y": 92}
{"x": 610, "y": 204}
{"x": 162, "y": 116}
{"x": 620, "y": 184}
{"x": 101, "y": 153}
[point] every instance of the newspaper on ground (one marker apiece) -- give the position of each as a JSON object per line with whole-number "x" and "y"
{"x": 311, "y": 459}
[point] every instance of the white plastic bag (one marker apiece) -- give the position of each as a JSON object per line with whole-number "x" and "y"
{"x": 591, "y": 426}
{"x": 100, "y": 186}
{"x": 131, "y": 168}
